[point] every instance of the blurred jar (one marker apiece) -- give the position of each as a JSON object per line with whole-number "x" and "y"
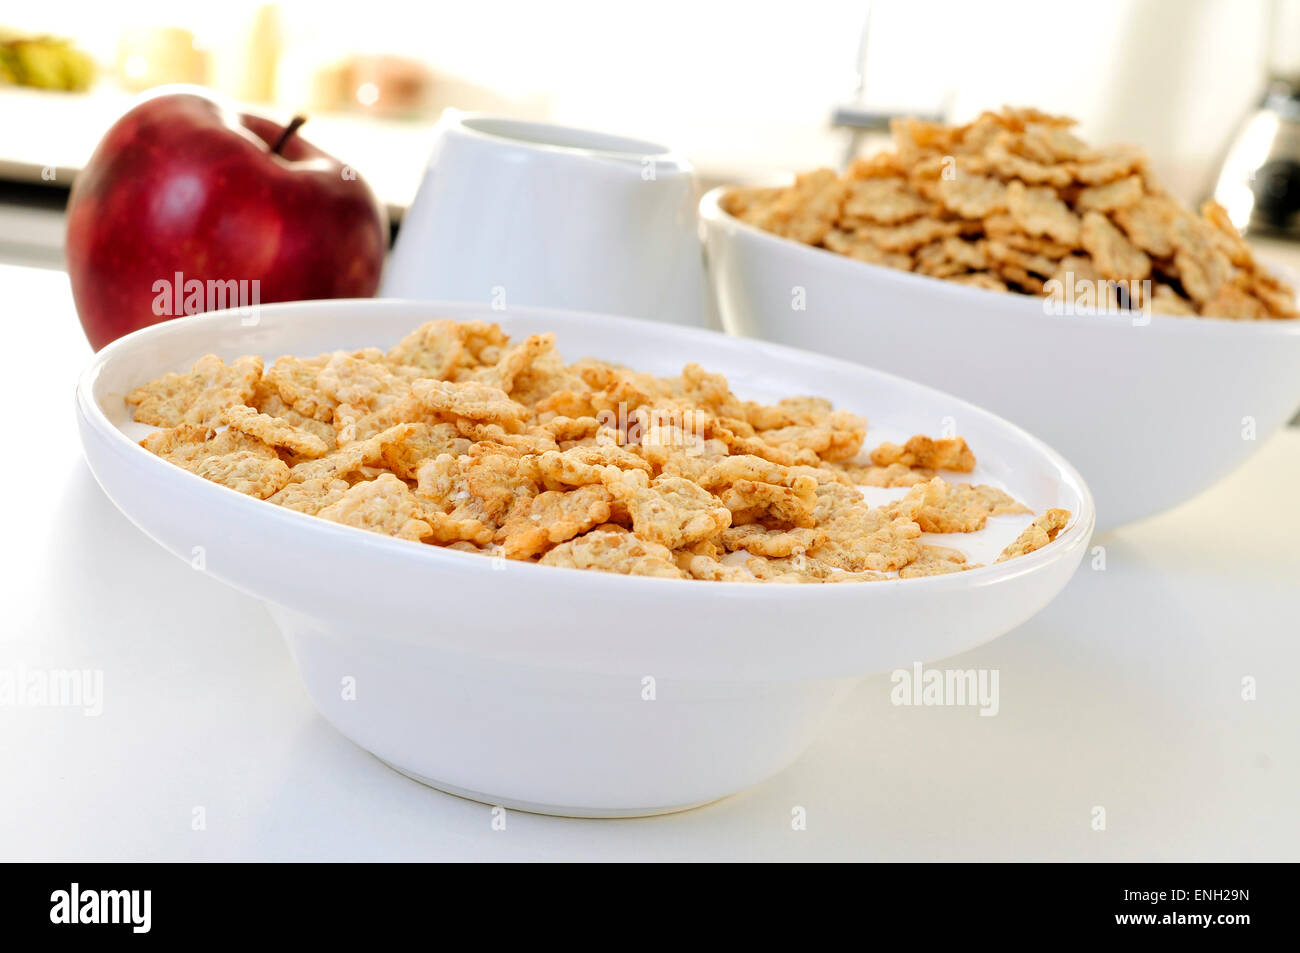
{"x": 153, "y": 55}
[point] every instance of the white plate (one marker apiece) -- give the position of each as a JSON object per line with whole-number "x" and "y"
{"x": 1151, "y": 414}
{"x": 526, "y": 685}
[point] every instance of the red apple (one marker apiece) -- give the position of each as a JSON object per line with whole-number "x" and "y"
{"x": 185, "y": 204}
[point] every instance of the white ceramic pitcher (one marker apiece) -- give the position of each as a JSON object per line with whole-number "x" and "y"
{"x": 526, "y": 213}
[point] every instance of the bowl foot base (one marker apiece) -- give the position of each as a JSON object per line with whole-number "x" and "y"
{"x": 553, "y": 810}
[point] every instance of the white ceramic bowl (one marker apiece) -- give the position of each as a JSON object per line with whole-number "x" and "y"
{"x": 524, "y": 685}
{"x": 513, "y": 211}
{"x": 1151, "y": 414}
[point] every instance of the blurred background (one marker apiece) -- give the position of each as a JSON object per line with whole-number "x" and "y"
{"x": 743, "y": 90}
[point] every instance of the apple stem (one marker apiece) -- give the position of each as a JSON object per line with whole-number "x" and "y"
{"x": 294, "y": 125}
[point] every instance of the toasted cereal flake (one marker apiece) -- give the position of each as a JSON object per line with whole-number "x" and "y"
{"x": 972, "y": 196}
{"x": 941, "y": 507}
{"x": 1052, "y": 141}
{"x": 907, "y": 237}
{"x": 676, "y": 453}
{"x": 579, "y": 466}
{"x": 245, "y": 471}
{"x": 877, "y": 166}
{"x": 1148, "y": 223}
{"x": 553, "y": 517}
{"x": 447, "y": 530}
{"x": 935, "y": 561}
{"x": 230, "y": 458}
{"x": 353, "y": 423}
{"x": 918, "y": 139}
{"x": 805, "y": 212}
{"x": 741, "y": 439}
{"x": 1004, "y": 256}
{"x": 1226, "y": 237}
{"x": 1006, "y": 163}
{"x": 760, "y": 541}
{"x": 754, "y": 489}
{"x": 267, "y": 400}
{"x": 199, "y": 396}
{"x": 952, "y": 256}
{"x": 710, "y": 569}
{"x": 1035, "y": 245}
{"x": 275, "y": 431}
{"x": 1037, "y": 534}
{"x": 612, "y": 551}
{"x": 1275, "y": 293}
{"x": 1165, "y": 300}
{"x": 471, "y": 400}
{"x": 350, "y": 459}
{"x": 187, "y": 444}
{"x": 1075, "y": 271}
{"x": 1122, "y": 193}
{"x": 384, "y": 505}
{"x": 1232, "y": 301}
{"x": 1202, "y": 266}
{"x": 361, "y": 383}
{"x": 546, "y": 375}
{"x": 441, "y": 481}
{"x": 1039, "y": 212}
{"x": 884, "y": 201}
{"x": 486, "y": 487}
{"x": 572, "y": 428}
{"x": 788, "y": 412}
{"x": 422, "y": 442}
{"x": 1107, "y": 165}
{"x": 865, "y": 576}
{"x": 946, "y": 453}
{"x": 481, "y": 344}
{"x": 702, "y": 389}
{"x": 515, "y": 361}
{"x": 1114, "y": 255}
{"x": 463, "y": 546}
{"x": 860, "y": 538}
{"x": 296, "y": 380}
{"x": 857, "y": 245}
{"x": 753, "y": 501}
{"x": 838, "y": 437}
{"x": 310, "y": 496}
{"x": 788, "y": 569}
{"x": 436, "y": 349}
{"x": 747, "y": 467}
{"x": 893, "y": 475}
{"x": 492, "y": 438}
{"x": 982, "y": 279}
{"x": 671, "y": 511}
{"x": 748, "y": 203}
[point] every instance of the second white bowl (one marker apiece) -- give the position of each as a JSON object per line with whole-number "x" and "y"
{"x": 1151, "y": 413}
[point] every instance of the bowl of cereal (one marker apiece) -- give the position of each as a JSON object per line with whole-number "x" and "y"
{"x": 1054, "y": 284}
{"x": 573, "y": 563}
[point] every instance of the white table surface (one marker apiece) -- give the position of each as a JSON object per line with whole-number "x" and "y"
{"x": 1125, "y": 693}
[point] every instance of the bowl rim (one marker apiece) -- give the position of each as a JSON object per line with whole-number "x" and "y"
{"x": 1027, "y": 307}
{"x": 1076, "y": 534}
